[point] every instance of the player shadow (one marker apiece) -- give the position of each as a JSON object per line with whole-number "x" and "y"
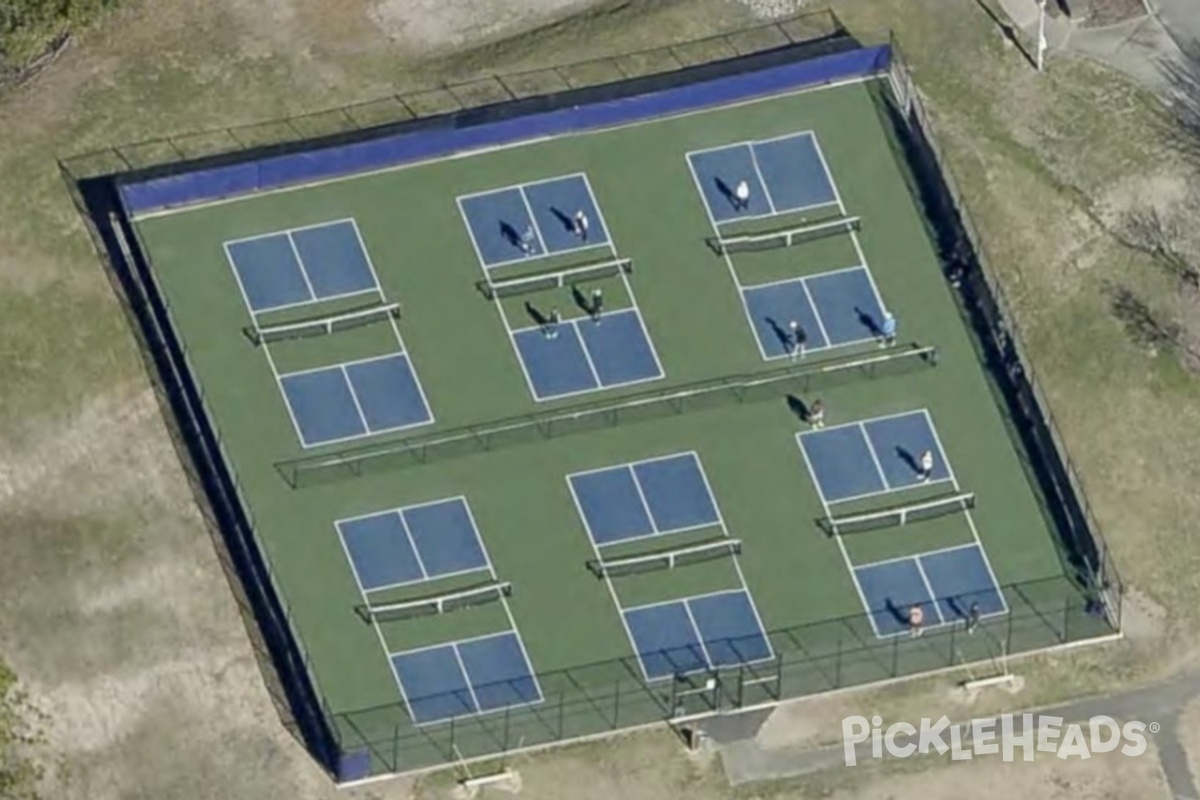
{"x": 510, "y": 234}
{"x": 781, "y": 333}
{"x": 727, "y": 192}
{"x": 868, "y": 322}
{"x": 567, "y": 221}
{"x": 909, "y": 459}
{"x": 538, "y": 317}
{"x": 901, "y": 615}
{"x": 581, "y": 300}
{"x": 799, "y": 408}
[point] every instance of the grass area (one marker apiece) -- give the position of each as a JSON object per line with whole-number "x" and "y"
{"x": 79, "y": 423}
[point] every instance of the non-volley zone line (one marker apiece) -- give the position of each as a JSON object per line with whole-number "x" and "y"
{"x": 750, "y": 180}
{"x": 605, "y": 348}
{"x": 949, "y": 585}
{"x": 797, "y": 316}
{"x": 525, "y": 221}
{"x": 426, "y": 543}
{"x": 300, "y": 266}
{"x": 872, "y": 457}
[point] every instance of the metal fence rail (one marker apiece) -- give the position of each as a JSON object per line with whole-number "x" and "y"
{"x": 967, "y": 262}
{"x": 810, "y": 659}
{"x": 438, "y": 99}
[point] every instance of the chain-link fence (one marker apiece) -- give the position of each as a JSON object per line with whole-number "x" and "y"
{"x": 967, "y": 265}
{"x": 809, "y": 659}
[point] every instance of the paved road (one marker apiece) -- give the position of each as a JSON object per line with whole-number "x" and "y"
{"x": 745, "y": 761}
{"x": 1181, "y": 18}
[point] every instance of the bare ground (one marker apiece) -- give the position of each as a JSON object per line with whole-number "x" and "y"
{"x": 120, "y": 622}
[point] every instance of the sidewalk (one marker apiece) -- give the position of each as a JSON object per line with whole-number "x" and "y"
{"x": 1139, "y": 47}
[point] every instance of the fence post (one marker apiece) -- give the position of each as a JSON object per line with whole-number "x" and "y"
{"x": 616, "y": 704}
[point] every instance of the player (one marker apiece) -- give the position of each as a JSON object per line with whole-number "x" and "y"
{"x": 925, "y": 464}
{"x": 916, "y": 621}
{"x": 581, "y": 225}
{"x": 887, "y": 331}
{"x": 527, "y": 239}
{"x": 796, "y": 339}
{"x": 596, "y": 305}
{"x": 816, "y": 415}
{"x": 551, "y": 329}
{"x": 741, "y": 196}
{"x": 972, "y": 618}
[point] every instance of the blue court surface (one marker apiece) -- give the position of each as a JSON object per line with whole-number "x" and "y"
{"x": 469, "y": 676}
{"x": 412, "y": 544}
{"x": 834, "y": 309}
{"x": 784, "y": 175}
{"x": 880, "y": 455}
{"x": 358, "y": 398}
{"x": 583, "y": 355}
{"x": 645, "y": 498}
{"x": 532, "y": 219}
{"x": 302, "y": 265}
{"x": 697, "y": 634}
{"x": 944, "y": 583}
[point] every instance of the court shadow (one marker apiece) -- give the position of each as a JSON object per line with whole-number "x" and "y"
{"x": 537, "y": 316}
{"x": 868, "y": 322}
{"x": 909, "y": 459}
{"x": 566, "y": 221}
{"x": 725, "y": 191}
{"x": 510, "y": 234}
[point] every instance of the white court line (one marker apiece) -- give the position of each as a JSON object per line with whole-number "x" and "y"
{"x": 583, "y": 346}
{"x": 612, "y": 590}
{"x": 937, "y": 440}
{"x": 354, "y": 397}
{"x": 413, "y": 544}
{"x": 687, "y": 609}
{"x": 529, "y": 259}
{"x": 986, "y": 561}
{"x": 933, "y": 598}
{"x": 537, "y": 229}
{"x": 237, "y": 276}
{"x": 466, "y": 678}
{"x": 816, "y": 313}
{"x": 512, "y": 338}
{"x": 337, "y": 526}
{"x": 287, "y": 402}
{"x": 712, "y": 496}
{"x": 362, "y": 246}
{"x": 641, "y": 318}
{"x": 312, "y": 293}
{"x": 712, "y": 222}
{"x": 762, "y": 181}
{"x": 895, "y": 490}
{"x": 487, "y": 557}
{"x": 874, "y": 456}
{"x": 462, "y": 212}
{"x": 837, "y": 196}
{"x": 896, "y": 559}
{"x": 807, "y": 133}
{"x": 862, "y": 595}
{"x": 637, "y": 484}
{"x": 813, "y": 475}
{"x": 608, "y": 234}
{"x": 329, "y": 223}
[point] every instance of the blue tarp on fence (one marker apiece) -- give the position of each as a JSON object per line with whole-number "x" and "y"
{"x": 400, "y": 148}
